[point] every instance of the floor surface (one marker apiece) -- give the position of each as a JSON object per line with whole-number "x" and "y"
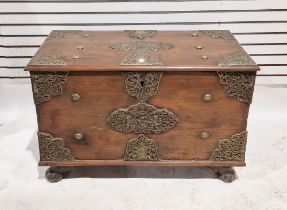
{"x": 261, "y": 185}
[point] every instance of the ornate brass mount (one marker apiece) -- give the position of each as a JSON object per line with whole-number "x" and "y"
{"x": 221, "y": 34}
{"x": 142, "y": 118}
{"x": 236, "y": 59}
{"x": 141, "y": 148}
{"x": 58, "y": 34}
{"x": 142, "y": 85}
{"x": 53, "y": 149}
{"x": 230, "y": 149}
{"x": 238, "y": 84}
{"x": 140, "y": 34}
{"x": 141, "y": 50}
{"x": 46, "y": 60}
{"x": 47, "y": 84}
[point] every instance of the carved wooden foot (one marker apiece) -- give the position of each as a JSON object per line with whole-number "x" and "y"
{"x": 57, "y": 173}
{"x": 226, "y": 174}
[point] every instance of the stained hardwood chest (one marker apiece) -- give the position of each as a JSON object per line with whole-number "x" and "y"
{"x": 142, "y": 98}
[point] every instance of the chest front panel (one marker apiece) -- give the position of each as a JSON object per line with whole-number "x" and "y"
{"x": 201, "y": 114}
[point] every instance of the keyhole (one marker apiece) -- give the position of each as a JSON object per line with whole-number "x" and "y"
{"x": 142, "y": 83}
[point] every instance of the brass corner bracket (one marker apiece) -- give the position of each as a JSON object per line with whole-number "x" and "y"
{"x": 46, "y": 60}
{"x": 231, "y": 149}
{"x": 221, "y": 34}
{"x": 47, "y": 84}
{"x": 53, "y": 149}
{"x": 238, "y": 84}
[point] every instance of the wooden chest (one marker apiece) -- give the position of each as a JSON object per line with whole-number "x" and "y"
{"x": 142, "y": 98}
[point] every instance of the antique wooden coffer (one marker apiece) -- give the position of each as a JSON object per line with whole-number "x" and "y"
{"x": 142, "y": 98}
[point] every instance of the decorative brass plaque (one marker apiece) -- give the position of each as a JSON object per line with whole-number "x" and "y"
{"x": 231, "y": 149}
{"x": 140, "y": 52}
{"x": 236, "y": 59}
{"x": 238, "y": 84}
{"x": 47, "y": 84}
{"x": 141, "y": 148}
{"x": 53, "y": 149}
{"x": 46, "y": 60}
{"x": 222, "y": 34}
{"x": 142, "y": 85}
{"x": 58, "y": 34}
{"x": 140, "y": 34}
{"x": 142, "y": 118}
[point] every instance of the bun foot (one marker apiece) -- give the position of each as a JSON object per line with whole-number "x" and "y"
{"x": 225, "y": 174}
{"x": 56, "y": 174}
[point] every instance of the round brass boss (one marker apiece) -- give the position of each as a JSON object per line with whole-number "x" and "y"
{"x": 194, "y": 34}
{"x": 204, "y": 135}
{"x": 76, "y": 57}
{"x": 207, "y": 97}
{"x": 199, "y": 47}
{"x": 76, "y": 97}
{"x": 79, "y": 136}
{"x": 204, "y": 57}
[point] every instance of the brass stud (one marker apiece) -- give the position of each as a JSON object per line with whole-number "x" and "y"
{"x": 76, "y": 57}
{"x": 194, "y": 34}
{"x": 76, "y": 97}
{"x": 207, "y": 97}
{"x": 79, "y": 136}
{"x": 80, "y": 48}
{"x": 215, "y": 36}
{"x": 199, "y": 47}
{"x": 86, "y": 34}
{"x": 204, "y": 57}
{"x": 204, "y": 135}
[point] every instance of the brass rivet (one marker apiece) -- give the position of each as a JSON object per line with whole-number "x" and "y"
{"x": 215, "y": 36}
{"x": 207, "y": 97}
{"x": 199, "y": 47}
{"x": 194, "y": 34}
{"x": 76, "y": 57}
{"x": 79, "y": 136}
{"x": 76, "y": 97}
{"x": 204, "y": 57}
{"x": 80, "y": 48}
{"x": 204, "y": 135}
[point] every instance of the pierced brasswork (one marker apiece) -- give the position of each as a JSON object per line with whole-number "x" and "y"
{"x": 47, "y": 84}
{"x": 141, "y": 57}
{"x": 140, "y": 52}
{"x": 238, "y": 84}
{"x": 140, "y": 34}
{"x": 64, "y": 34}
{"x": 53, "y": 149}
{"x": 236, "y": 59}
{"x": 46, "y": 60}
{"x": 142, "y": 85}
{"x": 142, "y": 118}
{"x": 141, "y": 148}
{"x": 222, "y": 34}
{"x": 230, "y": 149}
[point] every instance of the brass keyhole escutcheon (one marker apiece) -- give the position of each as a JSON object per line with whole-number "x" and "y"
{"x": 142, "y": 83}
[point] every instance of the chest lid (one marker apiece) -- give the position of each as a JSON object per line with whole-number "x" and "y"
{"x": 131, "y": 50}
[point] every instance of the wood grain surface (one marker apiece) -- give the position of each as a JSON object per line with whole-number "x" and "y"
{"x": 104, "y": 92}
{"x": 98, "y": 56}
